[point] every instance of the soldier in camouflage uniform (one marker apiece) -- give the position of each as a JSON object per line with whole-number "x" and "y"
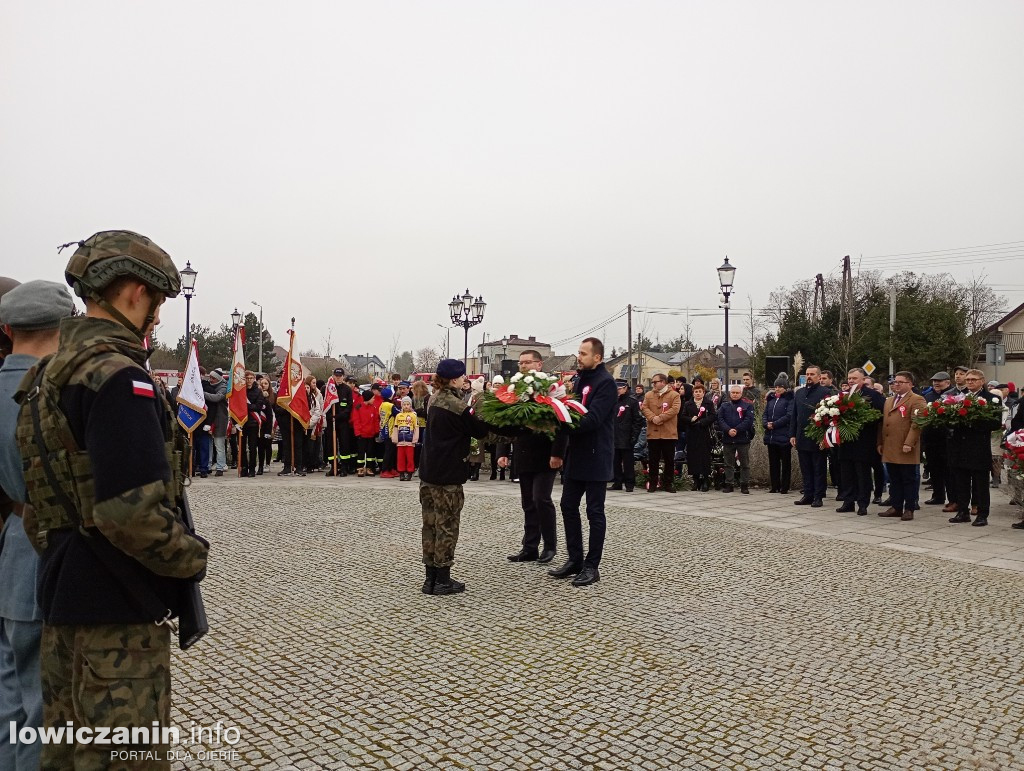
{"x": 444, "y": 469}
{"x": 104, "y": 504}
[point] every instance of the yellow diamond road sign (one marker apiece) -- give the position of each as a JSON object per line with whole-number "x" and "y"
{"x": 869, "y": 367}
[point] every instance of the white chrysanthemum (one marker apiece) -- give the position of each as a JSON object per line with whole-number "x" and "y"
{"x": 517, "y": 377}
{"x": 528, "y": 379}
{"x": 834, "y": 411}
{"x": 529, "y": 389}
{"x": 544, "y": 375}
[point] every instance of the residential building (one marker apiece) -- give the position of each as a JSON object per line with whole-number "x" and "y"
{"x": 1008, "y": 332}
{"x": 493, "y": 352}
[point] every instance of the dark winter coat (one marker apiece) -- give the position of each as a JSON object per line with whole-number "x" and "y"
{"x": 738, "y": 415}
{"x": 628, "y": 422}
{"x": 865, "y": 447}
{"x": 699, "y": 440}
{"x": 533, "y": 451}
{"x": 804, "y": 401}
{"x": 971, "y": 447}
{"x": 779, "y": 412}
{"x": 451, "y": 425}
{"x": 217, "y": 407}
{"x": 591, "y": 446}
{"x": 934, "y": 438}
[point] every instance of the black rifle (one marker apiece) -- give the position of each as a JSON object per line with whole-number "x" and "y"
{"x": 192, "y": 622}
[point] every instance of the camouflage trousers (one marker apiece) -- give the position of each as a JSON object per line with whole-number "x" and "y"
{"x": 442, "y": 505}
{"x": 107, "y": 675}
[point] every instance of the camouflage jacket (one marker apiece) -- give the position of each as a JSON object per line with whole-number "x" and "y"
{"x": 109, "y": 433}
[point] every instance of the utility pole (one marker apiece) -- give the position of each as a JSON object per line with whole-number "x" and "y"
{"x": 819, "y": 292}
{"x": 892, "y": 324}
{"x": 629, "y": 339}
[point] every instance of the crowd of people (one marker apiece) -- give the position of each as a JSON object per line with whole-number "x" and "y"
{"x": 98, "y": 555}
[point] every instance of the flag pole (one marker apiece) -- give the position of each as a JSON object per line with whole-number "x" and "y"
{"x": 191, "y": 454}
{"x": 334, "y": 437}
{"x": 239, "y": 450}
{"x": 291, "y": 435}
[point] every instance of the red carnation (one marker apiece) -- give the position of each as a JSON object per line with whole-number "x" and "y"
{"x": 941, "y": 410}
{"x": 968, "y": 402}
{"x": 962, "y": 411}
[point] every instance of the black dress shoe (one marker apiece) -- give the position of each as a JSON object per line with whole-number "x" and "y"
{"x": 615, "y": 486}
{"x": 816, "y": 503}
{"x": 219, "y": 473}
{"x": 523, "y": 555}
{"x": 744, "y": 489}
{"x": 980, "y": 521}
{"x": 629, "y": 489}
{"x": 803, "y": 501}
{"x": 935, "y": 502}
{"x": 726, "y": 488}
{"x": 587, "y": 577}
{"x": 877, "y": 500}
{"x": 862, "y": 511}
{"x": 546, "y": 556}
{"x": 886, "y": 502}
{"x": 846, "y": 508}
{"x": 773, "y": 489}
{"x": 570, "y": 568}
{"x": 668, "y": 489}
{"x": 1018, "y": 525}
{"x": 961, "y": 517}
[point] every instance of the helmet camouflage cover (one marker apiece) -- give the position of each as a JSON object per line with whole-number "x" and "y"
{"x": 112, "y": 254}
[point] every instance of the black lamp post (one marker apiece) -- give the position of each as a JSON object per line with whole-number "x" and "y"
{"x": 466, "y": 312}
{"x": 725, "y": 276}
{"x": 188, "y": 285}
{"x": 236, "y": 319}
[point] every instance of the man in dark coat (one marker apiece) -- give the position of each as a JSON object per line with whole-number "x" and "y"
{"x": 933, "y": 442}
{"x": 628, "y": 423}
{"x": 812, "y": 459}
{"x": 736, "y": 422}
{"x": 534, "y": 453}
{"x": 971, "y": 454}
{"x": 857, "y": 457}
{"x": 588, "y": 464}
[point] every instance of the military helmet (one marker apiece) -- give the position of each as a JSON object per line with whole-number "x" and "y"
{"x": 112, "y": 254}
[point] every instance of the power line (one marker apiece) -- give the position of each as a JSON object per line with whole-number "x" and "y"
{"x": 1017, "y": 244}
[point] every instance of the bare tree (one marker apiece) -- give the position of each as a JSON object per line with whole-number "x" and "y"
{"x": 393, "y": 353}
{"x": 328, "y": 344}
{"x": 427, "y": 359}
{"x": 984, "y": 308}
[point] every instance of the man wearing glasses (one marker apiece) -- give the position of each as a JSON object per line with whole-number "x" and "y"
{"x": 971, "y": 455}
{"x": 899, "y": 444}
{"x": 534, "y": 453}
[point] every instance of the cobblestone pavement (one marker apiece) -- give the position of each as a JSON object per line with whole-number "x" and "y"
{"x": 709, "y": 643}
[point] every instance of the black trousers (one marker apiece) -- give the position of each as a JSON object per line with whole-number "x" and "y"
{"x": 855, "y": 482}
{"x": 878, "y": 474}
{"x": 538, "y": 509}
{"x": 903, "y": 486}
{"x": 835, "y": 467}
{"x": 972, "y": 488}
{"x": 813, "y": 470}
{"x": 366, "y": 452}
{"x": 623, "y": 468}
{"x": 293, "y": 436}
{"x": 939, "y": 473}
{"x": 573, "y": 491}
{"x": 264, "y": 450}
{"x": 952, "y": 482}
{"x": 250, "y": 440}
{"x": 780, "y": 466}
{"x": 661, "y": 451}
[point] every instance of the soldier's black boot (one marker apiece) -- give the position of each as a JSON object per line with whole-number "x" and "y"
{"x": 428, "y": 582}
{"x": 445, "y": 584}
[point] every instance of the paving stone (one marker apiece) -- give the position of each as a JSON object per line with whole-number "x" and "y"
{"x": 710, "y": 642}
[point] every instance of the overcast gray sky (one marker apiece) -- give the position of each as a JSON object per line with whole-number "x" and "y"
{"x": 356, "y": 164}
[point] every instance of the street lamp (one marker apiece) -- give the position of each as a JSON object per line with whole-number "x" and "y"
{"x": 188, "y": 285}
{"x": 725, "y": 277}
{"x": 261, "y": 334}
{"x": 504, "y": 353}
{"x": 448, "y": 340}
{"x": 236, "y": 319}
{"x": 466, "y": 312}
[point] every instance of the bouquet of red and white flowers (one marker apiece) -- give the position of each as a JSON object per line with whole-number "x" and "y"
{"x": 534, "y": 399}
{"x": 840, "y": 418}
{"x": 960, "y": 410}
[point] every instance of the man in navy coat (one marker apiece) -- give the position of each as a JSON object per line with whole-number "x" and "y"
{"x": 588, "y": 464}
{"x": 812, "y": 458}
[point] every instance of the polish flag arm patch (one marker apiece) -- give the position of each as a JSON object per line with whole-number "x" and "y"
{"x": 141, "y": 388}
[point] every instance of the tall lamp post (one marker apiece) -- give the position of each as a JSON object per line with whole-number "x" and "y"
{"x": 448, "y": 340}
{"x": 504, "y": 353}
{"x": 725, "y": 276}
{"x": 261, "y": 335}
{"x": 188, "y": 285}
{"x": 466, "y": 312}
{"x": 236, "y": 319}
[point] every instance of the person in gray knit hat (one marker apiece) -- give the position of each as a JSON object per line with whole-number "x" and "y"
{"x": 30, "y": 315}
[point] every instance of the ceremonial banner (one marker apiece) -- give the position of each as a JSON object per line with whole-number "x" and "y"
{"x": 331, "y": 397}
{"x": 191, "y": 398}
{"x": 291, "y": 393}
{"x": 238, "y": 405}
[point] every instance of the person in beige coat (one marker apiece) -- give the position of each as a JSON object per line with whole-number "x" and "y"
{"x": 899, "y": 444}
{"x": 660, "y": 407}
